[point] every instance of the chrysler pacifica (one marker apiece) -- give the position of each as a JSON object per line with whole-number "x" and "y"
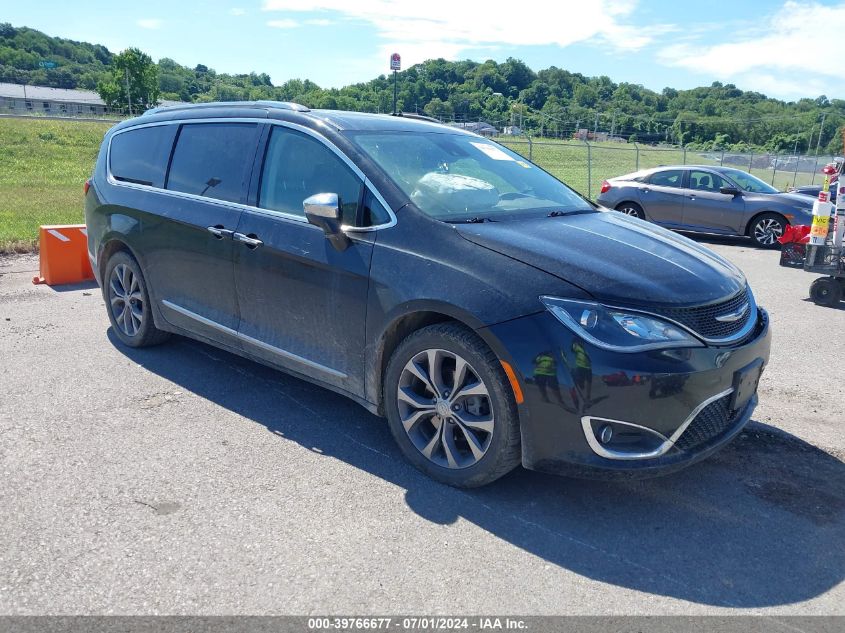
{"x": 492, "y": 314}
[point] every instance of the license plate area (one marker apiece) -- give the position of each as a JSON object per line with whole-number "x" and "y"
{"x": 745, "y": 384}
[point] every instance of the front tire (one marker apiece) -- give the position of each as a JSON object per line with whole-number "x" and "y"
{"x": 128, "y": 302}
{"x": 765, "y": 229}
{"x": 451, "y": 408}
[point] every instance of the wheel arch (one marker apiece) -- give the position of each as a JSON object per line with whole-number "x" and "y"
{"x": 404, "y": 322}
{"x": 108, "y": 248}
{"x": 116, "y": 243}
{"x": 756, "y": 216}
{"x": 630, "y": 202}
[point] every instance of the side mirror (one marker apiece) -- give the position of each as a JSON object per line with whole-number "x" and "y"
{"x": 323, "y": 210}
{"x": 730, "y": 191}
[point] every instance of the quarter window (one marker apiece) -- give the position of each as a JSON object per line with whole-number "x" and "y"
{"x": 213, "y": 159}
{"x": 141, "y": 155}
{"x": 374, "y": 211}
{"x": 668, "y": 178}
{"x": 297, "y": 166}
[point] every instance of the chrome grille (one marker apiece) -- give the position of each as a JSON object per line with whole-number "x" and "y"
{"x": 712, "y": 421}
{"x": 702, "y": 319}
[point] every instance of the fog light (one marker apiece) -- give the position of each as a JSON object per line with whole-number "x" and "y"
{"x": 606, "y": 434}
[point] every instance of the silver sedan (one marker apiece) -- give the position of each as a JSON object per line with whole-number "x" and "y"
{"x": 707, "y": 199}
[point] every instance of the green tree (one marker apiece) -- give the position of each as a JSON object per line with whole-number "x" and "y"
{"x": 439, "y": 109}
{"x": 132, "y": 83}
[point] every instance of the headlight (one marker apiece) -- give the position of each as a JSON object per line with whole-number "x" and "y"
{"x": 618, "y": 330}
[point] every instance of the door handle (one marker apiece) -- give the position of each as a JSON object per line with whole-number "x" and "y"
{"x": 646, "y": 190}
{"x": 249, "y": 240}
{"x": 219, "y": 232}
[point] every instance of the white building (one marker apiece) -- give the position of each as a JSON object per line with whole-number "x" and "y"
{"x": 19, "y": 99}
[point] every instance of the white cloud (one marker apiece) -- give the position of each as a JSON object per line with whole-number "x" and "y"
{"x": 149, "y": 23}
{"x": 790, "y": 53}
{"x": 283, "y": 24}
{"x": 319, "y": 22}
{"x": 237, "y": 11}
{"x": 805, "y": 85}
{"x": 445, "y": 28}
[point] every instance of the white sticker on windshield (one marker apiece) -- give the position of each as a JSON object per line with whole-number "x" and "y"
{"x": 492, "y": 151}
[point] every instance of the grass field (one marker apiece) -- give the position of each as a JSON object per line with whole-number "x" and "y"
{"x": 43, "y": 165}
{"x": 569, "y": 160}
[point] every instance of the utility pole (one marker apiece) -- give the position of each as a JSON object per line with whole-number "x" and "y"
{"x": 613, "y": 124}
{"x": 128, "y": 94}
{"x": 596, "y": 125}
{"x": 821, "y": 127}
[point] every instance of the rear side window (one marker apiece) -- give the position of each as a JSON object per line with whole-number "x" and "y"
{"x": 213, "y": 159}
{"x": 297, "y": 166}
{"x": 140, "y": 155}
{"x": 668, "y": 178}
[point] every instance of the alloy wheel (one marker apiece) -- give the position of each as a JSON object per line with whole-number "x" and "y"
{"x": 767, "y": 230}
{"x": 628, "y": 210}
{"x": 126, "y": 299}
{"x": 445, "y": 408}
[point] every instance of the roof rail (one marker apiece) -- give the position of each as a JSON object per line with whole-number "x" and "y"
{"x": 278, "y": 105}
{"x": 418, "y": 117}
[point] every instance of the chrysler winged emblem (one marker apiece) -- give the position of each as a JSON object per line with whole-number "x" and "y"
{"x": 730, "y": 317}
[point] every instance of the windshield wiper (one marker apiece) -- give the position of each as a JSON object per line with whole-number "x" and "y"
{"x": 475, "y": 220}
{"x": 557, "y": 214}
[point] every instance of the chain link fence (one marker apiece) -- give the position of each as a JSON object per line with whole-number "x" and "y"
{"x": 584, "y": 165}
{"x": 45, "y": 160}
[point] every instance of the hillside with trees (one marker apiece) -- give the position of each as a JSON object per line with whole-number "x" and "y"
{"x": 549, "y": 102}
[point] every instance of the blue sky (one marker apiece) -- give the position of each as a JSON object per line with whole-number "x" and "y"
{"x": 772, "y": 46}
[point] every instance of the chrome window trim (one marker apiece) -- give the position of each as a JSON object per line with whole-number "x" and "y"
{"x": 252, "y": 341}
{"x": 598, "y": 449}
{"x": 245, "y": 207}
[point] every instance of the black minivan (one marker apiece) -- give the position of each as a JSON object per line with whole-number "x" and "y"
{"x": 490, "y": 312}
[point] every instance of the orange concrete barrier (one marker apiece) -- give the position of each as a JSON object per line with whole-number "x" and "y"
{"x": 64, "y": 255}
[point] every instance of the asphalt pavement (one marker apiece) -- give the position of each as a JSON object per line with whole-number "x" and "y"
{"x": 183, "y": 480}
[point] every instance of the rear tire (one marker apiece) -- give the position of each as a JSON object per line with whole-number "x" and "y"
{"x": 632, "y": 209}
{"x": 451, "y": 408}
{"x": 766, "y": 228}
{"x": 128, "y": 302}
{"x": 826, "y": 291}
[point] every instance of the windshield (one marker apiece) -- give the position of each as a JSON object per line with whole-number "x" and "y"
{"x": 462, "y": 178}
{"x": 747, "y": 182}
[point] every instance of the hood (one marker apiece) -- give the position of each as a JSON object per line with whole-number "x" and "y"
{"x": 807, "y": 188}
{"x": 797, "y": 199}
{"x": 615, "y": 258}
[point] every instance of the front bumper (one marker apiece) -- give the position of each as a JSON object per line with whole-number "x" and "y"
{"x": 668, "y": 408}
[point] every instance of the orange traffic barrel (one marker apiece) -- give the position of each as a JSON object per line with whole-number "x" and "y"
{"x": 64, "y": 255}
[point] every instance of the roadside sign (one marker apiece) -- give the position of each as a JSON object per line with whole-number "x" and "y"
{"x": 44, "y": 64}
{"x": 395, "y": 62}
